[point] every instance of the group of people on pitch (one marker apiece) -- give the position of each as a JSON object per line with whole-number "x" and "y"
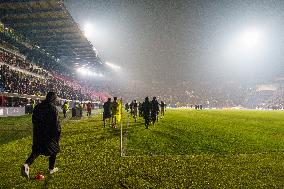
{"x": 112, "y": 112}
{"x": 47, "y": 128}
{"x": 149, "y": 110}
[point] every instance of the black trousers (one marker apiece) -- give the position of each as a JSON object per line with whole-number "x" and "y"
{"x": 34, "y": 155}
{"x": 147, "y": 120}
{"x": 154, "y": 116}
{"x": 64, "y": 113}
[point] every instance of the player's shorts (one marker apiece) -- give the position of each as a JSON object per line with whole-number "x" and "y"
{"x": 135, "y": 110}
{"x": 106, "y": 115}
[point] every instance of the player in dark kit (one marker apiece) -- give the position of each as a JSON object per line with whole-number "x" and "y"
{"x": 135, "y": 110}
{"x": 89, "y": 109}
{"x": 131, "y": 108}
{"x": 114, "y": 111}
{"x": 163, "y": 107}
{"x": 127, "y": 107}
{"x": 146, "y": 108}
{"x": 155, "y": 110}
{"x": 107, "y": 111}
{"x": 140, "y": 109}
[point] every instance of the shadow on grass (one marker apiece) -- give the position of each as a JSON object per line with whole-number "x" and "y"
{"x": 174, "y": 141}
{"x": 12, "y": 135}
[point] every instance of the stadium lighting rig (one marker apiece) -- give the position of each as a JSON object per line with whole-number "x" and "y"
{"x": 113, "y": 66}
{"x": 250, "y": 38}
{"x": 88, "y": 30}
{"x": 247, "y": 44}
{"x": 87, "y": 72}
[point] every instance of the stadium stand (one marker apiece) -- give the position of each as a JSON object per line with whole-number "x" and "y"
{"x": 40, "y": 46}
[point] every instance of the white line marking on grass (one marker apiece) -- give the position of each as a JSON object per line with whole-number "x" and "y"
{"x": 204, "y": 155}
{"x": 121, "y": 136}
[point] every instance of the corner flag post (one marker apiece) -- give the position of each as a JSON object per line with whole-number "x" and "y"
{"x": 121, "y": 149}
{"x": 121, "y": 139}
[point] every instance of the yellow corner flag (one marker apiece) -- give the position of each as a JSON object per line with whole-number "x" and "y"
{"x": 119, "y": 112}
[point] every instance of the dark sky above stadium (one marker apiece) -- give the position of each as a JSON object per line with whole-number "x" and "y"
{"x": 197, "y": 41}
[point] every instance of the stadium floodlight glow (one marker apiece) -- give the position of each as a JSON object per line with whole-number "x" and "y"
{"x": 246, "y": 44}
{"x": 82, "y": 71}
{"x": 250, "y": 38}
{"x": 88, "y": 30}
{"x": 113, "y": 66}
{"x": 89, "y": 73}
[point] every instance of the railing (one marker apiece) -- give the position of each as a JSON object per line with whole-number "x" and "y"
{"x": 12, "y": 111}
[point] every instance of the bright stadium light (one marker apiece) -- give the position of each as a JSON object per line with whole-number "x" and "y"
{"x": 88, "y": 30}
{"x": 81, "y": 70}
{"x": 89, "y": 73}
{"x": 250, "y": 38}
{"x": 246, "y": 44}
{"x": 113, "y": 66}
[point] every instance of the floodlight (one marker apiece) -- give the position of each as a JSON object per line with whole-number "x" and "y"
{"x": 89, "y": 73}
{"x": 113, "y": 66}
{"x": 88, "y": 30}
{"x": 82, "y": 71}
{"x": 250, "y": 38}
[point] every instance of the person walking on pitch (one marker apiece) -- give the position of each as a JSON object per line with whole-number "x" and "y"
{"x": 46, "y": 133}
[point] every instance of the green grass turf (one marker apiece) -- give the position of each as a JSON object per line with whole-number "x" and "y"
{"x": 191, "y": 132}
{"x": 90, "y": 154}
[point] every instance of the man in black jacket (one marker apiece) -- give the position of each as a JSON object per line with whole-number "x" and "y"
{"x": 46, "y": 133}
{"x": 155, "y": 110}
{"x": 146, "y": 108}
{"x": 107, "y": 111}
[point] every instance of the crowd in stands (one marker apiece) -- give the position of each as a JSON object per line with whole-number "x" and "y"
{"x": 19, "y": 76}
{"x": 225, "y": 95}
{"x": 22, "y": 83}
{"x": 92, "y": 92}
{"x": 18, "y": 62}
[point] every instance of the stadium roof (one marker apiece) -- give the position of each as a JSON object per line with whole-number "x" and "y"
{"x": 48, "y": 25}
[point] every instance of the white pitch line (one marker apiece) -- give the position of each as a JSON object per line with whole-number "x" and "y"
{"x": 193, "y": 156}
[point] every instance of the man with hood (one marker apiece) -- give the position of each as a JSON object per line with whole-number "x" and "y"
{"x": 155, "y": 110}
{"x": 107, "y": 111}
{"x": 146, "y": 108}
{"x": 46, "y": 133}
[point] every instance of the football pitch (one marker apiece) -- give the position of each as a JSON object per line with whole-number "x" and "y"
{"x": 185, "y": 149}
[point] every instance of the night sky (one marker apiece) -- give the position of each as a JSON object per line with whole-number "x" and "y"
{"x": 173, "y": 41}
